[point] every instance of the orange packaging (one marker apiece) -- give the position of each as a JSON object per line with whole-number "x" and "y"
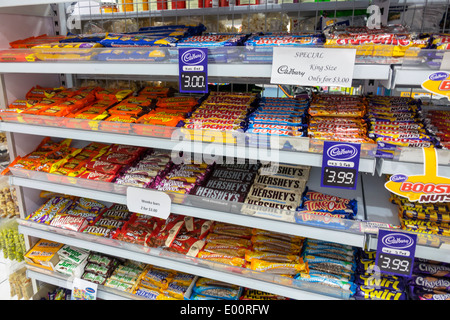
{"x": 155, "y": 92}
{"x": 111, "y": 94}
{"x": 177, "y": 102}
{"x": 160, "y": 120}
{"x": 125, "y": 109}
{"x": 42, "y": 93}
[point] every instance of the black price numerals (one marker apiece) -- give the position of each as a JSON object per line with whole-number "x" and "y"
{"x": 193, "y": 81}
{"x": 394, "y": 264}
{"x": 339, "y": 177}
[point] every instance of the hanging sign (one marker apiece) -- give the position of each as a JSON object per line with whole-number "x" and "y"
{"x": 395, "y": 252}
{"x": 340, "y": 163}
{"x": 193, "y": 70}
{"x": 424, "y": 188}
{"x": 438, "y": 83}
{"x": 313, "y": 66}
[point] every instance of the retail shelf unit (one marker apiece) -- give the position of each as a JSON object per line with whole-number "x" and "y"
{"x": 375, "y": 207}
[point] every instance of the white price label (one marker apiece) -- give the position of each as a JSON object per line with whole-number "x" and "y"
{"x": 149, "y": 202}
{"x": 313, "y": 66}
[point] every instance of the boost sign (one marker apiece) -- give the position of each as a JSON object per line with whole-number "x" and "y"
{"x": 428, "y": 187}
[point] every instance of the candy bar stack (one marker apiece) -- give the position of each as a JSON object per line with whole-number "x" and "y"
{"x": 144, "y": 171}
{"x": 430, "y": 280}
{"x": 396, "y": 122}
{"x": 168, "y": 112}
{"x": 157, "y": 283}
{"x": 425, "y": 218}
{"x": 276, "y": 253}
{"x": 227, "y": 182}
{"x": 278, "y": 116}
{"x": 210, "y": 289}
{"x": 330, "y": 264}
{"x": 220, "y": 112}
{"x": 181, "y": 179}
{"x": 276, "y": 191}
{"x": 227, "y": 244}
{"x": 259, "y": 47}
{"x": 338, "y": 118}
{"x": 222, "y": 48}
{"x": 72, "y": 261}
{"x": 438, "y": 125}
{"x": 372, "y": 285}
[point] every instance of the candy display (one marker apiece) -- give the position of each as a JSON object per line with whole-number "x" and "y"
{"x": 331, "y": 264}
{"x": 396, "y": 122}
{"x": 278, "y": 116}
{"x": 373, "y": 285}
{"x": 384, "y": 45}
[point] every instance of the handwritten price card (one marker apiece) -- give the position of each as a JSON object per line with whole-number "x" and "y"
{"x": 313, "y": 66}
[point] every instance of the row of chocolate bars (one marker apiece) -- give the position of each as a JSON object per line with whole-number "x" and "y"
{"x": 389, "y": 122}
{"x": 388, "y": 44}
{"x": 277, "y": 191}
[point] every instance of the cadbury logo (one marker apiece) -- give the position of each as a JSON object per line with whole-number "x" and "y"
{"x": 342, "y": 152}
{"x": 193, "y": 56}
{"x": 397, "y": 240}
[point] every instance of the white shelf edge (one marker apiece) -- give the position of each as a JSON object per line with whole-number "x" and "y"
{"x": 66, "y": 282}
{"x": 293, "y": 157}
{"x": 224, "y": 71}
{"x": 174, "y": 264}
{"x": 348, "y": 238}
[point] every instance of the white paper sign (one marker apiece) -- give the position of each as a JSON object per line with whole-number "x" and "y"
{"x": 313, "y": 66}
{"x": 149, "y": 202}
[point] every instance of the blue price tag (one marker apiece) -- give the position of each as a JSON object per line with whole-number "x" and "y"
{"x": 193, "y": 70}
{"x": 340, "y": 163}
{"x": 395, "y": 252}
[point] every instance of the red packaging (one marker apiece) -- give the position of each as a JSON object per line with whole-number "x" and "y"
{"x": 119, "y": 158}
{"x": 94, "y": 175}
{"x": 131, "y": 150}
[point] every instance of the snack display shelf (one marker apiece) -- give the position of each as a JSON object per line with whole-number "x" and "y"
{"x": 21, "y": 3}
{"x": 60, "y": 280}
{"x": 222, "y": 71}
{"x": 299, "y": 152}
{"x": 287, "y": 287}
{"x": 304, "y": 7}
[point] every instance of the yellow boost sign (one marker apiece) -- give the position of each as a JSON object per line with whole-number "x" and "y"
{"x": 428, "y": 187}
{"x": 438, "y": 83}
